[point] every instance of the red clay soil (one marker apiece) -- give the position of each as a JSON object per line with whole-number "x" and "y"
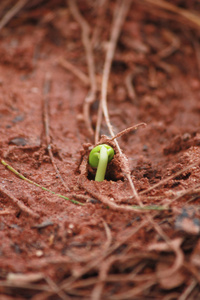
{"x": 52, "y": 248}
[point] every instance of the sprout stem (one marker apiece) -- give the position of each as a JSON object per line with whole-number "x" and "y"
{"x": 102, "y": 165}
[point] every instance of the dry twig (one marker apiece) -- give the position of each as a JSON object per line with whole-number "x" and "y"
{"x": 102, "y": 6}
{"x": 173, "y": 46}
{"x": 193, "y": 18}
{"x": 54, "y": 287}
{"x": 47, "y": 84}
{"x": 118, "y": 20}
{"x": 66, "y": 284}
{"x": 38, "y": 185}
{"x": 12, "y": 12}
{"x": 90, "y": 62}
{"x": 163, "y": 181}
{"x": 7, "y": 212}
{"x": 130, "y": 87}
{"x": 189, "y": 191}
{"x": 185, "y": 295}
{"x": 77, "y": 72}
{"x": 103, "y": 272}
{"x": 96, "y": 294}
{"x": 112, "y": 205}
{"x": 17, "y": 202}
{"x": 129, "y": 294}
{"x": 89, "y": 256}
{"x": 119, "y": 17}
{"x": 127, "y": 130}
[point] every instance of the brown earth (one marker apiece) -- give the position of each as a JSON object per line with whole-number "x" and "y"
{"x": 52, "y": 248}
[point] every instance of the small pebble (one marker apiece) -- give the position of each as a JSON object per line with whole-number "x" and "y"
{"x": 18, "y": 141}
{"x": 39, "y": 253}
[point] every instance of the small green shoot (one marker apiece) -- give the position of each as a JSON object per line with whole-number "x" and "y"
{"x": 99, "y": 158}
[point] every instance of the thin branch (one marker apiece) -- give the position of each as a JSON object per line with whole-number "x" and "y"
{"x": 127, "y": 130}
{"x": 131, "y": 293}
{"x": 108, "y": 235}
{"x": 56, "y": 289}
{"x": 7, "y": 212}
{"x": 130, "y": 87}
{"x": 119, "y": 17}
{"x": 189, "y": 191}
{"x": 46, "y": 90}
{"x": 169, "y": 178}
{"x": 185, "y": 295}
{"x": 178, "y": 262}
{"x": 193, "y": 18}
{"x": 124, "y": 208}
{"x": 101, "y": 8}
{"x": 173, "y": 46}
{"x": 85, "y": 258}
{"x": 118, "y": 20}
{"x": 90, "y": 62}
{"x": 104, "y": 270}
{"x": 17, "y": 202}
{"x": 12, "y": 12}
{"x": 124, "y": 238}
{"x": 73, "y": 69}
{"x": 103, "y": 273}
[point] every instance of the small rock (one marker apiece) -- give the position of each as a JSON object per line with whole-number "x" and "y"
{"x": 18, "y": 118}
{"x": 43, "y": 224}
{"x": 39, "y": 253}
{"x": 18, "y": 141}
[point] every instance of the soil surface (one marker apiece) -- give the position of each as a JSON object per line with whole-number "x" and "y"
{"x": 104, "y": 246}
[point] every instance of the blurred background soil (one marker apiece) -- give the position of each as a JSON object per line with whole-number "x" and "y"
{"x": 51, "y": 248}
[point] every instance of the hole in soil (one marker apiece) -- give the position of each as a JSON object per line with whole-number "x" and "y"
{"x": 119, "y": 66}
{"x": 183, "y": 176}
{"x": 189, "y": 244}
{"x": 18, "y": 214}
{"x": 175, "y": 184}
{"x": 113, "y": 172}
{"x": 109, "y": 177}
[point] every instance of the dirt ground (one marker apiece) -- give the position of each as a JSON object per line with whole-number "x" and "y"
{"x": 109, "y": 243}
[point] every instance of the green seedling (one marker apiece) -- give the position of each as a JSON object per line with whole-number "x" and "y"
{"x": 99, "y": 158}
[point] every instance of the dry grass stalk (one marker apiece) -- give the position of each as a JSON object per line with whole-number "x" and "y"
{"x": 193, "y": 18}
{"x": 74, "y": 70}
{"x": 163, "y": 181}
{"x": 12, "y": 12}
{"x": 127, "y": 130}
{"x": 18, "y": 203}
{"x": 118, "y": 20}
{"x": 68, "y": 283}
{"x": 47, "y": 84}
{"x": 90, "y": 63}
{"x": 101, "y": 7}
{"x": 130, "y": 87}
